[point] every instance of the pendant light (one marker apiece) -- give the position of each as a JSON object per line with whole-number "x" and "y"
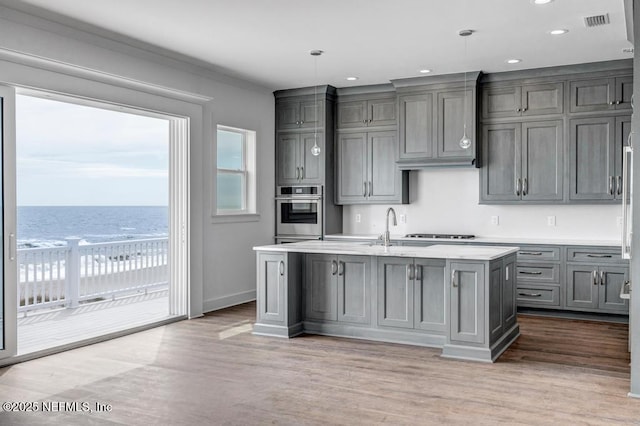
{"x": 315, "y": 149}
{"x": 465, "y": 142}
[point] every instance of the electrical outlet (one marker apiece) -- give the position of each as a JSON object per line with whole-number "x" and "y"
{"x": 495, "y": 220}
{"x": 619, "y": 221}
{"x": 403, "y": 218}
{"x": 358, "y": 218}
{"x": 551, "y": 221}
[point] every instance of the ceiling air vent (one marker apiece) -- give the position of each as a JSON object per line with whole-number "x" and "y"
{"x": 596, "y": 20}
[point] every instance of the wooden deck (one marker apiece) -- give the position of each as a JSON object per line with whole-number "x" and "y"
{"x": 48, "y": 329}
{"x": 212, "y": 370}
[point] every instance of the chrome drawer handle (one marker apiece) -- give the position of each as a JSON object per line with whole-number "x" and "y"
{"x": 600, "y": 256}
{"x": 530, "y": 294}
{"x": 453, "y": 278}
{"x": 530, "y": 273}
{"x": 531, "y": 253}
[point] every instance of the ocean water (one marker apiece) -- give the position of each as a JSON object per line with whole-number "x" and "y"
{"x": 44, "y": 226}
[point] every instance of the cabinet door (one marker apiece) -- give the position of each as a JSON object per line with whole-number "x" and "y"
{"x": 509, "y": 293}
{"x": 351, "y": 114}
{"x": 311, "y": 114}
{"x": 417, "y": 131}
{"x": 352, "y": 167}
{"x": 287, "y": 167}
{"x": 454, "y": 110}
{"x": 542, "y": 99}
{"x": 272, "y": 270}
{"x": 582, "y": 286}
{"x": 501, "y": 102}
{"x": 592, "y": 95}
{"x": 395, "y": 292}
{"x": 429, "y": 296}
{"x": 496, "y": 315}
{"x": 501, "y": 162}
{"x": 611, "y": 281}
{"x": 311, "y": 166}
{"x": 623, "y": 129}
{"x": 624, "y": 91}
{"x": 467, "y": 302}
{"x": 382, "y": 112}
{"x": 354, "y": 282}
{"x": 287, "y": 115}
{"x": 542, "y": 160}
{"x": 384, "y": 175}
{"x": 321, "y": 287}
{"x": 592, "y": 159}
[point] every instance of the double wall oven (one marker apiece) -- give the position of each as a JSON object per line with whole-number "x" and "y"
{"x": 299, "y": 213}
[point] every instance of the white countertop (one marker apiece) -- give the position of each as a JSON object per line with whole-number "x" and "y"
{"x": 487, "y": 240}
{"x": 438, "y": 251}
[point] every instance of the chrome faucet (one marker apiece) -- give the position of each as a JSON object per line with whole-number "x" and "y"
{"x": 386, "y": 239}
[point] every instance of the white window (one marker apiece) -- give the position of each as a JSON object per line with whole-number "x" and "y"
{"x": 236, "y": 171}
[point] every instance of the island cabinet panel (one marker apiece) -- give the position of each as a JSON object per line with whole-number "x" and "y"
{"x": 430, "y": 303}
{"x": 509, "y": 304}
{"x": 354, "y": 282}
{"x": 467, "y": 302}
{"x": 321, "y": 287}
{"x": 271, "y": 280}
{"x": 496, "y": 314}
{"x": 395, "y": 292}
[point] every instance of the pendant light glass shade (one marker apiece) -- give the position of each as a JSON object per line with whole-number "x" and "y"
{"x": 315, "y": 149}
{"x": 465, "y": 142}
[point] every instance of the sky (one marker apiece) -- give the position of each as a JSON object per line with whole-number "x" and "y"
{"x": 75, "y": 155}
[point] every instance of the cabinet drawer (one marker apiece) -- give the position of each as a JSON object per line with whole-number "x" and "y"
{"x": 536, "y": 296}
{"x": 537, "y": 253}
{"x": 542, "y": 273}
{"x": 594, "y": 255}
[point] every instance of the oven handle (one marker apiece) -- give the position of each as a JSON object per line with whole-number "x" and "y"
{"x": 299, "y": 199}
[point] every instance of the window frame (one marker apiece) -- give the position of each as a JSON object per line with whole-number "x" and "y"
{"x": 248, "y": 210}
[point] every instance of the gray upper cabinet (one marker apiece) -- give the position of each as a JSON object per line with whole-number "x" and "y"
{"x": 623, "y": 130}
{"x": 521, "y": 101}
{"x": 416, "y": 129}
{"x": 299, "y": 114}
{"x": 296, "y": 164}
{"x": 522, "y": 162}
{"x": 601, "y": 94}
{"x": 366, "y": 170}
{"x": 592, "y": 160}
{"x": 455, "y": 109}
{"x": 367, "y": 113}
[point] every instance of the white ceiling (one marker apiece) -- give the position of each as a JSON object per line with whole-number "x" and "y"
{"x": 268, "y": 41}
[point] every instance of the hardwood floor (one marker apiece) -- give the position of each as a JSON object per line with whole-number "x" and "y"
{"x": 212, "y": 370}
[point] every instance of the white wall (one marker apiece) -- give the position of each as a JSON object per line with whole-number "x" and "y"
{"x": 446, "y": 201}
{"x": 47, "y": 55}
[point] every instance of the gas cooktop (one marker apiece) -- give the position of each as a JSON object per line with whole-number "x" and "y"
{"x": 442, "y": 236}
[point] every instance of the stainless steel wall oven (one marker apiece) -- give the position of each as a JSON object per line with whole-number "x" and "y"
{"x": 299, "y": 211}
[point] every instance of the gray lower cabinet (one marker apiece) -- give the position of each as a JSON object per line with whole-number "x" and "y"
{"x": 366, "y": 170}
{"x": 522, "y": 162}
{"x": 337, "y": 288}
{"x": 597, "y": 288}
{"x": 296, "y": 164}
{"x": 467, "y": 309}
{"x": 595, "y": 152}
{"x": 278, "y": 304}
{"x": 411, "y": 294}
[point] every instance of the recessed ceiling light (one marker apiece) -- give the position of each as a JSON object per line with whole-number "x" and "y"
{"x": 513, "y": 61}
{"x": 558, "y": 32}
{"x": 425, "y": 71}
{"x": 541, "y": 1}
{"x": 352, "y": 78}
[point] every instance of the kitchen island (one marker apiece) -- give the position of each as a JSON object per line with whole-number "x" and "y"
{"x": 458, "y": 298}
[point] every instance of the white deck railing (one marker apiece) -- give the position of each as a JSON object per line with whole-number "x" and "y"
{"x": 67, "y": 276}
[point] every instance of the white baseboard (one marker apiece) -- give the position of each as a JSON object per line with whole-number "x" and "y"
{"x": 227, "y": 301}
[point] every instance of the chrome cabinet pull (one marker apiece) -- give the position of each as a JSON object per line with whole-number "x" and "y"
{"x": 612, "y": 103}
{"x": 364, "y": 121}
{"x": 340, "y": 268}
{"x": 334, "y": 267}
{"x": 453, "y": 278}
{"x": 301, "y": 173}
{"x": 525, "y": 187}
{"x": 519, "y": 110}
{"x": 364, "y": 185}
{"x": 418, "y": 273}
{"x": 599, "y": 256}
{"x": 530, "y": 272}
{"x": 281, "y": 268}
{"x": 595, "y": 277}
{"x": 619, "y": 184}
{"x": 610, "y": 185}
{"x": 518, "y": 186}
{"x": 602, "y": 278}
{"x": 531, "y": 253}
{"x": 12, "y": 246}
{"x": 530, "y": 294}
{"x": 524, "y": 109}
{"x": 410, "y": 272}
{"x": 370, "y": 186}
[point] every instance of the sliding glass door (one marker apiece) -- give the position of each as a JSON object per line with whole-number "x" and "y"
{"x": 8, "y": 270}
